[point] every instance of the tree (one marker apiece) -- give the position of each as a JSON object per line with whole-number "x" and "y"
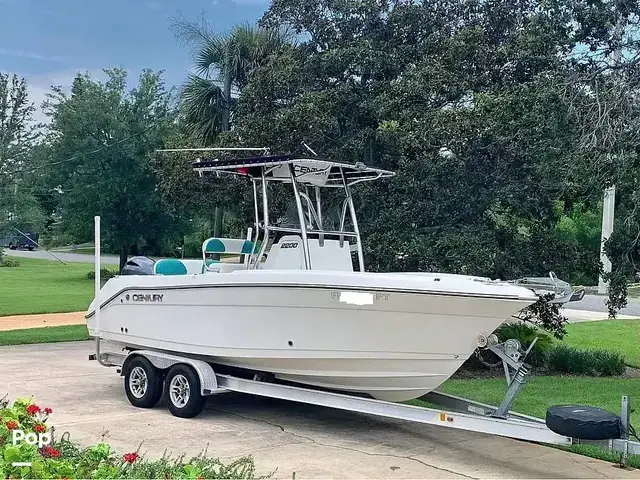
{"x": 101, "y": 140}
{"x": 18, "y": 206}
{"x": 466, "y": 100}
{"x": 603, "y": 96}
{"x": 223, "y": 65}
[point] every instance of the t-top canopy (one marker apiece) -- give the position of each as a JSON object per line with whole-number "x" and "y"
{"x": 307, "y": 170}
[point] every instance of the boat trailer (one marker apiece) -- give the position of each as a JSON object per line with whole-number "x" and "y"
{"x": 187, "y": 393}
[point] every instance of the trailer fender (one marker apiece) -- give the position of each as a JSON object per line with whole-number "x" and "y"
{"x": 162, "y": 361}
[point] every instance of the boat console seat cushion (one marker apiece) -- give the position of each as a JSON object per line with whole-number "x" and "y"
{"x": 174, "y": 266}
{"x": 170, "y": 266}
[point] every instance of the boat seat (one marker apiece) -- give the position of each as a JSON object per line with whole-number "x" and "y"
{"x": 175, "y": 266}
{"x": 224, "y": 246}
{"x": 169, "y": 266}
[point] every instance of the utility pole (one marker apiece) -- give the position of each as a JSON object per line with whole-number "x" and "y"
{"x": 609, "y": 199}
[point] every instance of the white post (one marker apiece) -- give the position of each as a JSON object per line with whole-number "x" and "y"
{"x": 609, "y": 199}
{"x": 608, "y": 207}
{"x": 97, "y": 275}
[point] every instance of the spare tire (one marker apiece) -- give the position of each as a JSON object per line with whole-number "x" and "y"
{"x": 585, "y": 423}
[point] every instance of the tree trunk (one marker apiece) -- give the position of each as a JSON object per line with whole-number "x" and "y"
{"x": 217, "y": 223}
{"x": 226, "y": 110}
{"x": 124, "y": 251}
{"x": 226, "y": 114}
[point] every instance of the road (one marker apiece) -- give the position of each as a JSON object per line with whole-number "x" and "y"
{"x": 293, "y": 439}
{"x": 595, "y": 303}
{"x": 64, "y": 256}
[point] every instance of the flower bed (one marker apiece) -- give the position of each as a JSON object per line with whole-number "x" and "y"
{"x": 62, "y": 458}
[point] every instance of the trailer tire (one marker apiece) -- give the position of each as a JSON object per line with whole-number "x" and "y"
{"x": 142, "y": 382}
{"x": 583, "y": 422}
{"x": 183, "y": 392}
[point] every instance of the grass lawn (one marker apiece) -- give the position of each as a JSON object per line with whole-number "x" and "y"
{"x": 43, "y": 286}
{"x": 64, "y": 333}
{"x": 542, "y": 392}
{"x": 622, "y": 336}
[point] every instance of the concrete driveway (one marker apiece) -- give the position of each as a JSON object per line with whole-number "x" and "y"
{"x": 313, "y": 442}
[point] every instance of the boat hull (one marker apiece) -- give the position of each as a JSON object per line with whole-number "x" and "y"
{"x": 393, "y": 345}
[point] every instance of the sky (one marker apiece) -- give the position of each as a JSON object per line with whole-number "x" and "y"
{"x": 49, "y": 41}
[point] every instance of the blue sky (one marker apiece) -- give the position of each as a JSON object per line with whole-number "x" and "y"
{"x": 48, "y": 41}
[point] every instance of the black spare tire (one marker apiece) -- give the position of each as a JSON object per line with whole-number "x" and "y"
{"x": 583, "y": 422}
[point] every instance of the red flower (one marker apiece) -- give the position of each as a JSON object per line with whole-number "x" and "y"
{"x": 48, "y": 411}
{"x": 130, "y": 457}
{"x": 33, "y": 409}
{"x": 39, "y": 428}
{"x": 48, "y": 451}
{"x": 12, "y": 424}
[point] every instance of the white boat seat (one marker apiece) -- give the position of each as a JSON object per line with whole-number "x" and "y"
{"x": 224, "y": 246}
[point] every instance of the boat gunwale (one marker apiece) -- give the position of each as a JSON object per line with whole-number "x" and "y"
{"x": 364, "y": 289}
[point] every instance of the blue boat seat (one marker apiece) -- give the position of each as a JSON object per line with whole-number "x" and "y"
{"x": 170, "y": 266}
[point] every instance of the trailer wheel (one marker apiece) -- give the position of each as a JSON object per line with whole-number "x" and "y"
{"x": 142, "y": 383}
{"x": 183, "y": 391}
{"x": 11, "y": 246}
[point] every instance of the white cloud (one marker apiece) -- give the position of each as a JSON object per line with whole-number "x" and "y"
{"x": 40, "y": 85}
{"x": 33, "y": 55}
{"x": 251, "y": 2}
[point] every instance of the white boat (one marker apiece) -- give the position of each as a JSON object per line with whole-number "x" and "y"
{"x": 295, "y": 308}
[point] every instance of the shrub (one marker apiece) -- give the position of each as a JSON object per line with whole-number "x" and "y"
{"x": 9, "y": 262}
{"x": 105, "y": 274}
{"x": 65, "y": 459}
{"x": 525, "y": 334}
{"x": 596, "y": 362}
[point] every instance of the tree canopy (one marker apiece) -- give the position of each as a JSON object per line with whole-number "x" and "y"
{"x": 101, "y": 139}
{"x": 505, "y": 121}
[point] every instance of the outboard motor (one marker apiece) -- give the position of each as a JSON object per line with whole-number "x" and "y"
{"x": 138, "y": 266}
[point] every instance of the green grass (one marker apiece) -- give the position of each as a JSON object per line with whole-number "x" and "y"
{"x": 43, "y": 286}
{"x": 64, "y": 333}
{"x": 622, "y": 336}
{"x": 542, "y": 392}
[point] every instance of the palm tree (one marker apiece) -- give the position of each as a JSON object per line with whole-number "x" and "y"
{"x": 222, "y": 64}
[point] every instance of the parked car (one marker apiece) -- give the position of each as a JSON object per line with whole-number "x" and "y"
{"x": 16, "y": 240}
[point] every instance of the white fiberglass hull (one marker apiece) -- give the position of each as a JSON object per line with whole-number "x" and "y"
{"x": 397, "y": 338}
